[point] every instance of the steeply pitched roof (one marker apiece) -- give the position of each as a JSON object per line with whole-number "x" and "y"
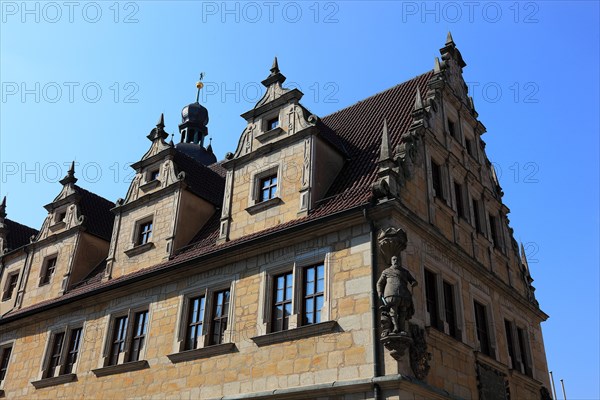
{"x": 206, "y": 182}
{"x": 358, "y": 130}
{"x": 18, "y": 234}
{"x": 96, "y": 210}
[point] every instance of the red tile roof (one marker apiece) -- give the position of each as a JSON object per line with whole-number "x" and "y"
{"x": 96, "y": 210}
{"x": 358, "y": 130}
{"x": 18, "y": 234}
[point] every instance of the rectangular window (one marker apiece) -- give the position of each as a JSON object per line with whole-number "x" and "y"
{"x": 508, "y": 328}
{"x": 459, "y": 198}
{"x": 436, "y": 179}
{"x": 140, "y": 329}
{"x": 55, "y": 352}
{"x": 494, "y": 231}
{"x": 73, "y": 350}
{"x": 268, "y": 188}
{"x": 145, "y": 233}
{"x": 481, "y": 325}
{"x": 450, "y": 310}
{"x": 282, "y": 302}
{"x": 452, "y": 129}
{"x": 220, "y": 312}
{"x": 432, "y": 300}
{"x": 523, "y": 347}
{"x": 63, "y": 352}
{"x": 4, "y": 359}
{"x": 469, "y": 146}
{"x": 273, "y": 123}
{"x": 154, "y": 175}
{"x": 48, "y": 271}
{"x": 477, "y": 216}
{"x": 118, "y": 340}
{"x": 194, "y": 322}
{"x": 313, "y": 294}
{"x": 11, "y": 284}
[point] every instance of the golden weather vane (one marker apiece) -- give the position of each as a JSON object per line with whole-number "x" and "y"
{"x": 199, "y": 85}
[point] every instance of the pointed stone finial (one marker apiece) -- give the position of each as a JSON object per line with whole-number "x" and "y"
{"x": 385, "y": 153}
{"x": 161, "y": 121}
{"x": 3, "y": 208}
{"x": 70, "y": 177}
{"x": 449, "y": 39}
{"x": 159, "y": 131}
{"x": 275, "y": 67}
{"x": 209, "y": 147}
{"x": 436, "y": 65}
{"x": 524, "y": 258}
{"x": 418, "y": 100}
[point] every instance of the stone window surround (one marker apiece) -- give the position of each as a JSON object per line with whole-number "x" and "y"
{"x": 44, "y": 268}
{"x": 482, "y": 214}
{"x": 7, "y": 282}
{"x": 136, "y": 248}
{"x": 254, "y": 199}
{"x": 206, "y": 288}
{"x": 296, "y": 266}
{"x": 478, "y": 295}
{"x": 112, "y": 315}
{"x": 61, "y": 378}
{"x": 444, "y": 274}
{"x": 444, "y": 178}
{"x": 518, "y": 322}
{"x": 4, "y": 345}
{"x": 466, "y": 199}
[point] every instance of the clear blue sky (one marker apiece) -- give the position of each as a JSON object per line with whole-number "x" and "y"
{"x": 88, "y": 82}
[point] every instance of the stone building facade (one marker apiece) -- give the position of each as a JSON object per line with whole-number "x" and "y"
{"x": 255, "y": 277}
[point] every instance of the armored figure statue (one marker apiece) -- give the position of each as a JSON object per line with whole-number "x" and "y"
{"x": 392, "y": 288}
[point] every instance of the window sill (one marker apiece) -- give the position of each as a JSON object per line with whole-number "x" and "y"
{"x": 205, "y": 352}
{"x": 139, "y": 249}
{"x": 55, "y": 380}
{"x": 121, "y": 368}
{"x": 58, "y": 226}
{"x": 270, "y": 134}
{"x": 264, "y": 205}
{"x": 296, "y": 333}
{"x": 146, "y": 187}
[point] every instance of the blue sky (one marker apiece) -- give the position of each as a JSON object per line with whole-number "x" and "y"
{"x": 88, "y": 81}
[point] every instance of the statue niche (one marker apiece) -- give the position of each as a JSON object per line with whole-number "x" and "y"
{"x": 397, "y": 308}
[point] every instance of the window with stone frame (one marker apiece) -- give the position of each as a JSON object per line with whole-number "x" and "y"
{"x": 272, "y": 123}
{"x": 510, "y": 343}
{"x": 517, "y": 342}
{"x": 219, "y": 317}
{"x": 5, "y": 352}
{"x": 63, "y": 352}
{"x": 10, "y": 286}
{"x": 459, "y": 199}
{"x": 525, "y": 351}
{"x": 48, "y": 268}
{"x": 453, "y": 130}
{"x": 441, "y": 304}
{"x": 495, "y": 231}
{"x": 482, "y": 328}
{"x": 268, "y": 188}
{"x": 470, "y": 147}
{"x": 127, "y": 337}
{"x": 437, "y": 180}
{"x": 144, "y": 232}
{"x": 282, "y": 297}
{"x": 313, "y": 293}
{"x": 477, "y": 216}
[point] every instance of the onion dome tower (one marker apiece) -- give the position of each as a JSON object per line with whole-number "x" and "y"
{"x": 194, "y": 118}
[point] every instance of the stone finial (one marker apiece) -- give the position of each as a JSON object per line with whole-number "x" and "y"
{"x": 437, "y": 68}
{"x": 449, "y": 39}
{"x": 70, "y": 177}
{"x": 161, "y": 121}
{"x": 524, "y": 257}
{"x": 159, "y": 131}
{"x": 385, "y": 153}
{"x": 3, "y": 208}
{"x": 275, "y": 67}
{"x": 418, "y": 100}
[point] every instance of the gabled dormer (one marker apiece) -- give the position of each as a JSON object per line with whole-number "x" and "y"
{"x": 176, "y": 189}
{"x": 285, "y": 161}
{"x": 72, "y": 241}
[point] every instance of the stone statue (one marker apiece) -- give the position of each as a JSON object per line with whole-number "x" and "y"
{"x": 392, "y": 288}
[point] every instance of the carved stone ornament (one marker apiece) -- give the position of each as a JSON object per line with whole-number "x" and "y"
{"x": 397, "y": 307}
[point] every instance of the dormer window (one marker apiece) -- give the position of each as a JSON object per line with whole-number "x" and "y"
{"x": 145, "y": 233}
{"x": 48, "y": 270}
{"x": 61, "y": 216}
{"x": 273, "y": 123}
{"x": 268, "y": 188}
{"x": 154, "y": 175}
